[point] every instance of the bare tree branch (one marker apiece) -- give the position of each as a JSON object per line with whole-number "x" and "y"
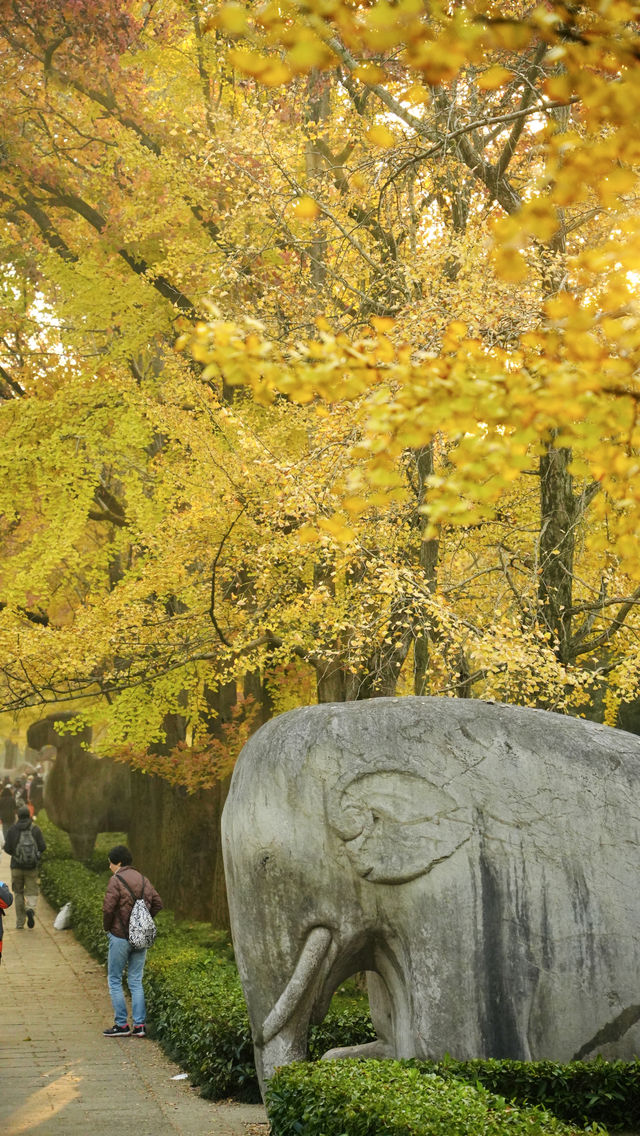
{"x": 614, "y": 626}
{"x": 213, "y": 576}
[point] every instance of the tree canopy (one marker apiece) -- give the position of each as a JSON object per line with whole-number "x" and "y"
{"x": 319, "y": 359}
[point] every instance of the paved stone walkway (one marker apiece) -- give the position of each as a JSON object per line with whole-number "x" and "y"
{"x": 59, "y": 1075}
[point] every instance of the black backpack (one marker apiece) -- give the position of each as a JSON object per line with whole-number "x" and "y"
{"x": 26, "y": 853}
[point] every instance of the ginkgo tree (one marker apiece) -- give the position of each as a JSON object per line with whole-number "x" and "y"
{"x": 558, "y": 385}
{"x": 417, "y": 229}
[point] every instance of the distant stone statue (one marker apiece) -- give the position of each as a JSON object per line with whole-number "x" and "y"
{"x": 83, "y": 794}
{"x": 11, "y": 754}
{"x": 480, "y": 861}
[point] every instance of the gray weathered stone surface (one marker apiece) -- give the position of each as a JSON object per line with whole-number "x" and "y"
{"x": 481, "y": 861}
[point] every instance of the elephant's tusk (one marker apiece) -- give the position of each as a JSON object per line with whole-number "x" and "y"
{"x": 311, "y": 958}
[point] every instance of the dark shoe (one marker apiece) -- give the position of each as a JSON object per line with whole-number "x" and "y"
{"x": 117, "y": 1031}
{"x": 30, "y": 917}
{"x": 139, "y": 1031}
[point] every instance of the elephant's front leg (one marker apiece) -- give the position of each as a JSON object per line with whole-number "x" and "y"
{"x": 290, "y": 1044}
{"x": 382, "y": 1018}
{"x": 390, "y": 1014}
{"x": 83, "y": 842}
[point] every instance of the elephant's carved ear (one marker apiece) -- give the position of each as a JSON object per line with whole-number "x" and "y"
{"x": 396, "y": 825}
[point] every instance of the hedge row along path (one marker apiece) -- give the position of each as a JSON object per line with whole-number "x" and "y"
{"x": 59, "y": 1075}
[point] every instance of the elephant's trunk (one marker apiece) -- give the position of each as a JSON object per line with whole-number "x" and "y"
{"x": 307, "y": 969}
{"x": 283, "y": 1036}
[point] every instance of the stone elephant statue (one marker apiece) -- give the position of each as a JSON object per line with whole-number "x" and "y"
{"x": 480, "y": 861}
{"x": 83, "y": 794}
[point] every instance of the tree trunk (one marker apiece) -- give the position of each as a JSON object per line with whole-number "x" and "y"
{"x": 558, "y": 517}
{"x": 378, "y": 678}
{"x": 331, "y": 681}
{"x": 429, "y": 552}
{"x": 175, "y": 836}
{"x": 175, "y": 840}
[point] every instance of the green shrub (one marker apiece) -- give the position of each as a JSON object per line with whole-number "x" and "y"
{"x": 392, "y": 1098}
{"x": 348, "y": 1022}
{"x": 582, "y": 1092}
{"x": 65, "y": 881}
{"x": 198, "y": 1012}
{"x": 57, "y": 841}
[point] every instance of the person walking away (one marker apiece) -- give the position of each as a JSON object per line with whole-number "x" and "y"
{"x": 19, "y": 795}
{"x": 7, "y": 810}
{"x": 25, "y": 844}
{"x": 116, "y": 912}
{"x": 36, "y": 790}
{"x": 6, "y": 899}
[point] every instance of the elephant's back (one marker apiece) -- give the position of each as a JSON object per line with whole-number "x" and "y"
{"x": 438, "y": 731}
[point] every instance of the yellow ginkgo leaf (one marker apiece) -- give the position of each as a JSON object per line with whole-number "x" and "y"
{"x": 617, "y": 182}
{"x": 249, "y": 62}
{"x": 276, "y": 74}
{"x": 370, "y": 73}
{"x": 382, "y": 324}
{"x": 510, "y": 264}
{"x": 306, "y": 209}
{"x": 307, "y": 54}
{"x": 337, "y": 528}
{"x": 493, "y": 78}
{"x": 355, "y": 505}
{"x": 380, "y": 135}
{"x": 542, "y": 220}
{"x": 307, "y": 535}
{"x": 416, "y": 94}
{"x": 232, "y": 18}
{"x": 454, "y": 334}
{"x": 557, "y": 87}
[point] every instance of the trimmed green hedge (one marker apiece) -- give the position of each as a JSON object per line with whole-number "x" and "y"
{"x": 62, "y": 881}
{"x": 392, "y": 1098}
{"x": 605, "y": 1092}
{"x": 199, "y": 1014}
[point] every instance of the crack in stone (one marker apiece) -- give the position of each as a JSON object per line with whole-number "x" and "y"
{"x": 613, "y": 1031}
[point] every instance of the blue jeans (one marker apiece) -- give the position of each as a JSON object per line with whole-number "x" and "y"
{"x": 122, "y": 954}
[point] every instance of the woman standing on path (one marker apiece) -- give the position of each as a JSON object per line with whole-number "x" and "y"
{"x": 116, "y": 912}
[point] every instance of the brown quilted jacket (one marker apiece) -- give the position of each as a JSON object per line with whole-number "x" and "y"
{"x": 118, "y": 902}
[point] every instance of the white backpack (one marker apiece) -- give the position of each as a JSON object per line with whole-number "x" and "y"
{"x": 142, "y": 929}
